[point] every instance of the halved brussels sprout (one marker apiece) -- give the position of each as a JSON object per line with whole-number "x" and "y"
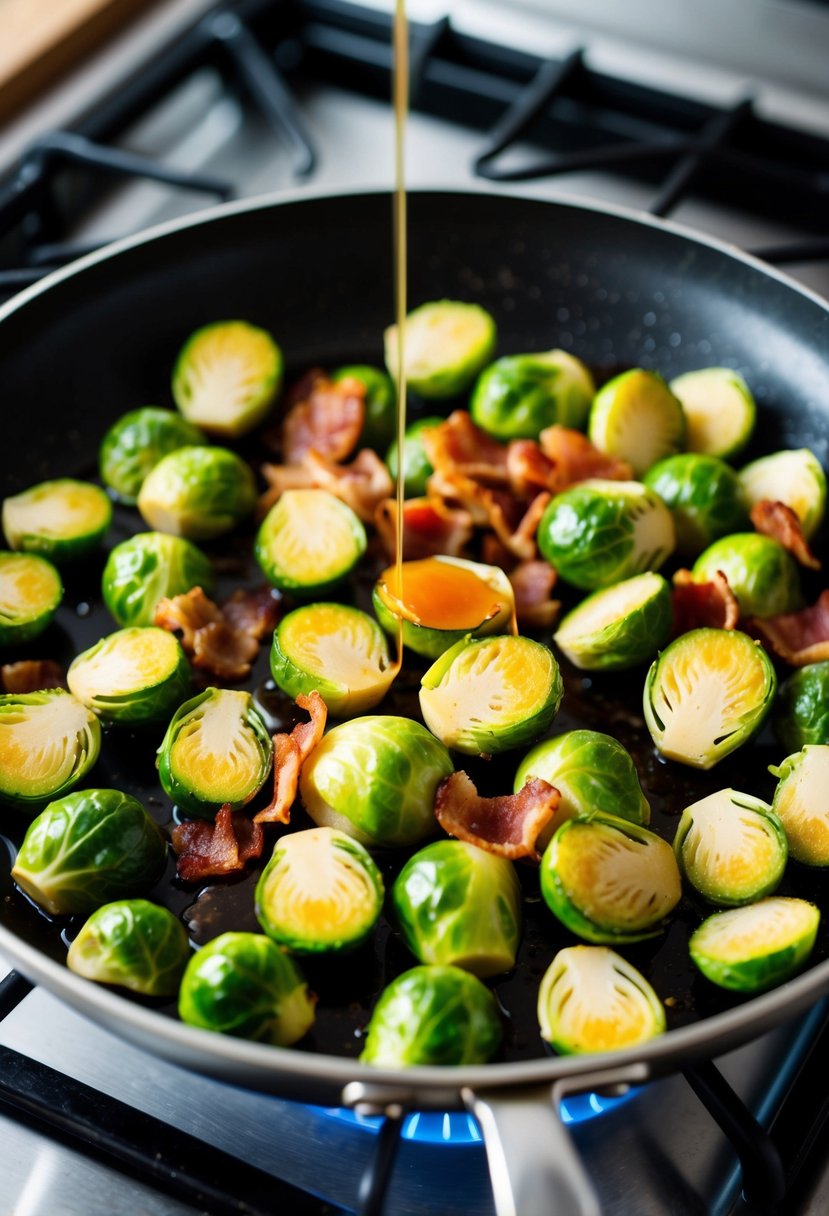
{"x": 592, "y": 999}
{"x": 87, "y": 849}
{"x": 609, "y": 880}
{"x": 63, "y": 520}
{"x": 719, "y": 410}
{"x": 703, "y": 495}
{"x": 599, "y": 532}
{"x": 801, "y": 715}
{"x": 491, "y": 695}
{"x": 802, "y": 805}
{"x": 517, "y": 396}
{"x": 446, "y": 343}
{"x": 753, "y": 948}
{"x": 731, "y": 848}
{"x": 133, "y": 676}
{"x": 320, "y": 891}
{"x": 198, "y": 492}
{"x": 592, "y": 772}
{"x": 226, "y": 376}
{"x": 375, "y": 779}
{"x": 460, "y": 906}
{"x": 433, "y": 1015}
{"x": 380, "y": 420}
{"x": 242, "y": 984}
{"x": 30, "y": 592}
{"x": 416, "y": 467}
{"x": 132, "y": 943}
{"x": 707, "y": 694}
{"x": 619, "y": 626}
{"x": 443, "y": 600}
{"x": 149, "y": 566}
{"x": 793, "y": 476}
{"x": 48, "y": 743}
{"x": 309, "y": 541}
{"x": 635, "y": 417}
{"x": 136, "y": 442}
{"x": 216, "y": 750}
{"x": 761, "y": 573}
{"x": 337, "y": 650}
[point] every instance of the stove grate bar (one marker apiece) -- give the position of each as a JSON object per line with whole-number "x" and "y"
{"x": 816, "y": 250}
{"x": 13, "y": 989}
{"x": 714, "y": 134}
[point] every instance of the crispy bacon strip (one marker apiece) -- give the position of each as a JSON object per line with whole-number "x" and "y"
{"x": 362, "y": 484}
{"x": 31, "y": 675}
{"x": 780, "y": 522}
{"x": 223, "y": 640}
{"x": 254, "y": 611}
{"x": 325, "y": 416}
{"x": 210, "y": 850}
{"x": 529, "y": 469}
{"x": 532, "y": 583}
{"x": 458, "y": 445}
{"x": 519, "y": 540}
{"x": 429, "y": 527}
{"x": 797, "y": 637}
{"x": 711, "y": 604}
{"x": 226, "y": 652}
{"x": 508, "y": 825}
{"x": 576, "y": 459}
{"x": 290, "y": 751}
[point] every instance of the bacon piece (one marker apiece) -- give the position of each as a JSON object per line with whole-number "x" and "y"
{"x": 429, "y": 527}
{"x": 210, "y": 850}
{"x": 325, "y": 417}
{"x": 458, "y": 444}
{"x": 529, "y": 469}
{"x": 222, "y": 640}
{"x": 576, "y": 459}
{"x": 780, "y": 522}
{"x": 520, "y": 539}
{"x": 696, "y": 605}
{"x": 508, "y": 825}
{"x": 532, "y": 583}
{"x": 254, "y": 611}
{"x": 362, "y": 484}
{"x": 228, "y": 653}
{"x": 797, "y": 637}
{"x": 31, "y": 675}
{"x": 290, "y": 751}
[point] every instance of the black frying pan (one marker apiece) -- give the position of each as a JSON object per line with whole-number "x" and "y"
{"x": 100, "y": 337}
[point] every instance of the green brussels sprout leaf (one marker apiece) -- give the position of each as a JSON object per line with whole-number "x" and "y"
{"x": 761, "y": 573}
{"x": 801, "y": 804}
{"x": 198, "y": 493}
{"x": 416, "y": 466}
{"x": 719, "y": 410}
{"x": 703, "y": 495}
{"x": 226, "y": 377}
{"x": 731, "y": 848}
{"x": 309, "y": 541}
{"x": 619, "y": 626}
{"x": 380, "y": 421}
{"x": 753, "y": 948}
{"x": 30, "y": 592}
{"x": 801, "y": 715}
{"x": 147, "y": 568}
{"x": 136, "y": 442}
{"x": 48, "y": 742}
{"x": 519, "y": 395}
{"x": 635, "y": 417}
{"x": 136, "y": 675}
{"x": 132, "y": 943}
{"x": 63, "y": 520}
{"x": 794, "y": 477}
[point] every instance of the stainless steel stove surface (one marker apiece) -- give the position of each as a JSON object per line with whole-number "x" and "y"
{"x": 659, "y": 1151}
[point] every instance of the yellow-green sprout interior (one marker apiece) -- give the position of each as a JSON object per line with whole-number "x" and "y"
{"x": 608, "y": 606}
{"x": 730, "y": 846}
{"x": 216, "y": 751}
{"x": 718, "y": 410}
{"x": 226, "y": 368}
{"x": 756, "y": 931}
{"x": 128, "y": 661}
{"x": 41, "y": 744}
{"x": 496, "y": 681}
{"x": 802, "y": 804}
{"x": 312, "y": 539}
{"x": 793, "y": 477}
{"x": 57, "y": 509}
{"x": 591, "y": 999}
{"x": 441, "y": 334}
{"x": 338, "y": 645}
{"x": 28, "y": 586}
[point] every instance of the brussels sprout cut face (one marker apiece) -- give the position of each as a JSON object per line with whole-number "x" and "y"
{"x": 136, "y": 442}
{"x": 242, "y": 984}
{"x": 592, "y": 999}
{"x": 618, "y": 627}
{"x": 760, "y": 572}
{"x": 226, "y": 377}
{"x": 380, "y": 421}
{"x": 794, "y": 477}
{"x": 518, "y": 396}
{"x": 63, "y": 520}
{"x": 216, "y": 750}
{"x": 754, "y": 948}
{"x": 637, "y": 418}
{"x": 309, "y": 541}
{"x": 802, "y": 805}
{"x": 491, "y": 695}
{"x": 459, "y": 905}
{"x": 802, "y": 712}
{"x": 719, "y": 410}
{"x": 30, "y": 591}
{"x": 375, "y": 779}
{"x": 87, "y": 849}
{"x": 134, "y": 944}
{"x": 133, "y": 676}
{"x": 446, "y": 345}
{"x": 320, "y": 891}
{"x": 600, "y": 532}
{"x": 416, "y": 467}
{"x": 731, "y": 848}
{"x": 48, "y": 743}
{"x": 337, "y": 650}
{"x": 707, "y": 694}
{"x": 703, "y": 494}
{"x": 443, "y": 599}
{"x": 433, "y": 1015}
{"x": 198, "y": 492}
{"x": 608, "y": 880}
{"x": 144, "y": 569}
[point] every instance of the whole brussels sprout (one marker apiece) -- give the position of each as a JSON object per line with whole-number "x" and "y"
{"x": 460, "y": 906}
{"x": 87, "y": 849}
{"x": 197, "y": 492}
{"x": 753, "y": 948}
{"x": 446, "y": 343}
{"x": 719, "y": 410}
{"x": 635, "y": 417}
{"x": 760, "y": 572}
{"x": 703, "y": 495}
{"x": 226, "y": 377}
{"x": 132, "y": 943}
{"x": 731, "y": 848}
{"x": 48, "y": 743}
{"x": 802, "y": 712}
{"x": 794, "y": 477}
{"x": 618, "y": 627}
{"x": 30, "y": 592}
{"x": 517, "y": 396}
{"x": 600, "y": 532}
{"x": 380, "y": 420}
{"x": 416, "y": 466}
{"x": 63, "y": 520}
{"x": 433, "y": 1015}
{"x": 134, "y": 676}
{"x": 149, "y": 566}
{"x": 801, "y": 805}
{"x": 242, "y": 984}
{"x": 309, "y": 542}
{"x": 375, "y": 779}
{"x": 136, "y": 442}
